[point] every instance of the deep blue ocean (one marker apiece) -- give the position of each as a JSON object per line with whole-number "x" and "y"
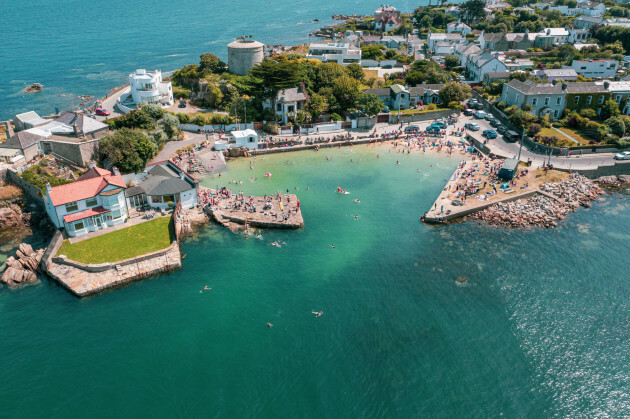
{"x": 78, "y": 47}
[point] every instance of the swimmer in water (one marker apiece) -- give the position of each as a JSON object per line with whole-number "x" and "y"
{"x": 205, "y": 288}
{"x": 397, "y": 162}
{"x": 356, "y": 217}
{"x": 269, "y": 325}
{"x": 332, "y": 245}
{"x": 317, "y": 313}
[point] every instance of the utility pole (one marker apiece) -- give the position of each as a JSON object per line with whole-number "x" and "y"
{"x": 521, "y": 147}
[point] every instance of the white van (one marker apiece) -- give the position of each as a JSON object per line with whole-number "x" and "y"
{"x": 480, "y": 114}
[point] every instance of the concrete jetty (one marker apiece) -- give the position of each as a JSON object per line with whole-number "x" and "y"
{"x": 237, "y": 212}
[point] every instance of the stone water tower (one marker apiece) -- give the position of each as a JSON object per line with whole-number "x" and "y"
{"x": 243, "y": 54}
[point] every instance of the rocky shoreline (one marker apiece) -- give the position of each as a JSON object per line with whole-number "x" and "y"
{"x": 21, "y": 269}
{"x": 546, "y": 209}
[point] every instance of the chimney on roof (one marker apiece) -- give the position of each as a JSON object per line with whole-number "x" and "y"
{"x": 526, "y": 31}
{"x": 564, "y": 86}
{"x": 606, "y": 84}
{"x": 548, "y": 31}
{"x": 92, "y": 164}
{"x": 181, "y": 175}
{"x": 554, "y": 82}
{"x": 75, "y": 127}
{"x": 116, "y": 171}
{"x": 48, "y": 187}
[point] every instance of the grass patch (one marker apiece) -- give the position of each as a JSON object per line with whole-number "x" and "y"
{"x": 126, "y": 243}
{"x": 563, "y": 141}
{"x": 580, "y": 136}
{"x": 418, "y": 111}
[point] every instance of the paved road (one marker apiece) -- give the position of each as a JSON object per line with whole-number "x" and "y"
{"x": 172, "y": 146}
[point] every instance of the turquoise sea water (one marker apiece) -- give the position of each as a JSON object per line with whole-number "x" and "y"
{"x": 77, "y": 47}
{"x": 540, "y": 330}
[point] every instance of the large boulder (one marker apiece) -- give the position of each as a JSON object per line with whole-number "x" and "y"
{"x": 607, "y": 180}
{"x": 26, "y": 249}
{"x": 624, "y": 178}
{"x": 14, "y": 277}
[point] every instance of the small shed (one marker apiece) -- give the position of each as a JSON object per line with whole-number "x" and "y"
{"x": 246, "y": 138}
{"x": 508, "y": 169}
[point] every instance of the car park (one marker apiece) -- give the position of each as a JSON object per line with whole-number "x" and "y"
{"x": 490, "y": 133}
{"x": 480, "y": 114}
{"x": 488, "y": 117}
{"x": 473, "y": 126}
{"x": 501, "y": 129}
{"x": 479, "y": 106}
{"x": 468, "y": 112}
{"x": 624, "y": 155}
{"x": 495, "y": 123}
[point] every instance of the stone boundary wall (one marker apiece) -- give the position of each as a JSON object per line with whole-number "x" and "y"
{"x": 53, "y": 247}
{"x": 32, "y": 191}
{"x": 102, "y": 267}
{"x": 618, "y": 168}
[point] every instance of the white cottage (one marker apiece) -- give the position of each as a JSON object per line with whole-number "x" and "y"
{"x": 94, "y": 202}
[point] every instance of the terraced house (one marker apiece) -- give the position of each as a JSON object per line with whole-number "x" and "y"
{"x": 586, "y": 95}
{"x": 544, "y": 98}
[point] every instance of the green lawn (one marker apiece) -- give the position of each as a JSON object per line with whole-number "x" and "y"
{"x": 563, "y": 141}
{"x": 122, "y": 244}
{"x": 417, "y": 111}
{"x": 580, "y": 136}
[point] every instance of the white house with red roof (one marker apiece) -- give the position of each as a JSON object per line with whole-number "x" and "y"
{"x": 95, "y": 201}
{"x": 386, "y": 18}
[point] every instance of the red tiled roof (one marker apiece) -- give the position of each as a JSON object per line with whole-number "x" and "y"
{"x": 84, "y": 214}
{"x": 94, "y": 172}
{"x": 83, "y": 188}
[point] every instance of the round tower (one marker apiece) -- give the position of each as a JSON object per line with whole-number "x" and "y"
{"x": 243, "y": 54}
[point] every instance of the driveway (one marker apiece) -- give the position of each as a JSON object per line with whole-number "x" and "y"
{"x": 172, "y": 146}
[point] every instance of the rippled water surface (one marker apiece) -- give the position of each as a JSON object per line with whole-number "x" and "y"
{"x": 540, "y": 329}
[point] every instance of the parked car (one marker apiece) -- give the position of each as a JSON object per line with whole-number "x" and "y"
{"x": 433, "y": 129}
{"x": 624, "y": 155}
{"x": 102, "y": 112}
{"x": 480, "y": 114}
{"x": 440, "y": 124}
{"x": 473, "y": 126}
{"x": 489, "y": 117}
{"x": 511, "y": 136}
{"x": 501, "y": 129}
{"x": 479, "y": 106}
{"x": 472, "y": 101}
{"x": 468, "y": 112}
{"x": 182, "y": 104}
{"x": 495, "y": 123}
{"x": 412, "y": 128}
{"x": 490, "y": 133}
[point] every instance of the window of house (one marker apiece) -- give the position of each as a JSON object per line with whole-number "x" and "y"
{"x": 558, "y": 100}
{"x": 72, "y": 206}
{"x": 91, "y": 202}
{"x": 589, "y": 99}
{"x": 534, "y": 101}
{"x": 79, "y": 225}
{"x": 518, "y": 97}
{"x": 601, "y": 99}
{"x": 576, "y": 100}
{"x": 582, "y": 68}
{"x": 546, "y": 101}
{"x": 116, "y": 214}
{"x": 279, "y": 107}
{"x": 618, "y": 98}
{"x": 555, "y": 113}
{"x": 156, "y": 199}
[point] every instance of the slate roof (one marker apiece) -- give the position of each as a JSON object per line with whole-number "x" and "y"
{"x": 22, "y": 140}
{"x": 530, "y": 88}
{"x": 85, "y": 124}
{"x": 162, "y": 180}
{"x": 291, "y": 96}
{"x": 381, "y": 91}
{"x": 559, "y": 72}
{"x": 586, "y": 87}
{"x": 421, "y": 89}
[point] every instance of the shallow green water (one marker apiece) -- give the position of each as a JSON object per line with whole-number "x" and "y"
{"x": 540, "y": 330}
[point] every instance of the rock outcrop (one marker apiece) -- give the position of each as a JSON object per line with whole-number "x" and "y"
{"x": 21, "y": 269}
{"x": 237, "y": 152}
{"x": 35, "y": 87}
{"x": 546, "y": 209}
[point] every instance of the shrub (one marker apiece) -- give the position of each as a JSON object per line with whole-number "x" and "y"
{"x": 432, "y": 106}
{"x": 534, "y": 129}
{"x": 199, "y": 120}
{"x": 271, "y": 128}
{"x": 454, "y": 105}
{"x": 335, "y": 117}
{"x": 588, "y": 113}
{"x": 220, "y": 119}
{"x": 502, "y": 105}
{"x": 184, "y": 118}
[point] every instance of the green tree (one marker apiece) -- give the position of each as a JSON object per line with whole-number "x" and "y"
{"x": 186, "y": 76}
{"x": 451, "y": 61}
{"x": 371, "y": 104}
{"x": 317, "y": 105}
{"x": 372, "y": 52}
{"x": 154, "y": 111}
{"x": 137, "y": 118}
{"x": 327, "y": 73}
{"x": 609, "y": 109}
{"x": 269, "y": 77}
{"x": 169, "y": 123}
{"x": 346, "y": 91}
{"x": 473, "y": 10}
{"x": 355, "y": 71}
{"x": 210, "y": 63}
{"x": 454, "y": 92}
{"x": 616, "y": 125}
{"x": 128, "y": 149}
